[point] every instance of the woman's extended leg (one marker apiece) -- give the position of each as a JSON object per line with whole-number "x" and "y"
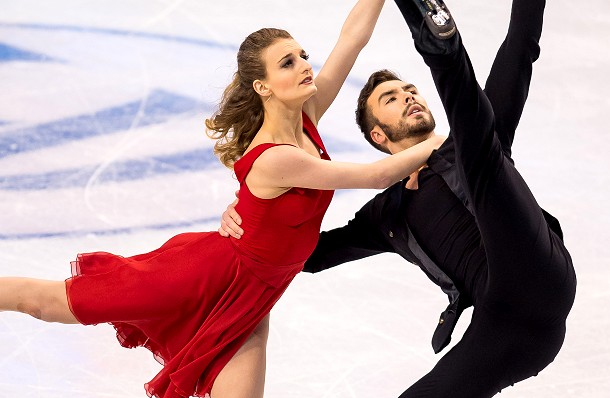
{"x": 244, "y": 374}
{"x": 43, "y": 299}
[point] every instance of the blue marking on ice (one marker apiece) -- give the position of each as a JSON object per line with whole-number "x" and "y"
{"x": 9, "y": 53}
{"x": 195, "y": 160}
{"x": 155, "y": 108}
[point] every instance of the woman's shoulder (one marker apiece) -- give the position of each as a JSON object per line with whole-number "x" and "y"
{"x": 265, "y": 154}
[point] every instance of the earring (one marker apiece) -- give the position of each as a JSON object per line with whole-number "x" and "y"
{"x": 267, "y": 100}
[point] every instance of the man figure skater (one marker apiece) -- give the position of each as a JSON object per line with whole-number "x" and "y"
{"x": 468, "y": 219}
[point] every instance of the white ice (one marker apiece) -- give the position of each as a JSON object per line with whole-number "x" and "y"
{"x": 361, "y": 330}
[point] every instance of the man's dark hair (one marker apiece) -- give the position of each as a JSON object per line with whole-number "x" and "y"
{"x": 364, "y": 117}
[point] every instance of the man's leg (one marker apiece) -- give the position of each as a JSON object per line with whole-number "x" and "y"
{"x": 494, "y": 353}
{"x": 530, "y": 275}
{"x": 508, "y": 83}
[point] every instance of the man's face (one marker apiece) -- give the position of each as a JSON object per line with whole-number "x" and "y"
{"x": 401, "y": 111}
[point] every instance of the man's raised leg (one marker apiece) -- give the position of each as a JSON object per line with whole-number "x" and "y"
{"x": 507, "y": 86}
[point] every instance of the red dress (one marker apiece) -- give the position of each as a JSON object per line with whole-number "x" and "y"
{"x": 194, "y": 301}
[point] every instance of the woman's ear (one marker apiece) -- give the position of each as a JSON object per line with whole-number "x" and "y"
{"x": 261, "y": 88}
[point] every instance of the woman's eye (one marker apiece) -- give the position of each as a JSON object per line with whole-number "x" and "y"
{"x": 287, "y": 63}
{"x": 305, "y": 56}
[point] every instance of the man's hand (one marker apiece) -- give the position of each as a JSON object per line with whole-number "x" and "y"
{"x": 231, "y": 221}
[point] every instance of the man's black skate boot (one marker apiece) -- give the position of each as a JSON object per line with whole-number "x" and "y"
{"x": 431, "y": 25}
{"x": 434, "y": 12}
{"x": 437, "y": 17}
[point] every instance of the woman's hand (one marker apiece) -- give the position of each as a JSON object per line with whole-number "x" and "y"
{"x": 231, "y": 221}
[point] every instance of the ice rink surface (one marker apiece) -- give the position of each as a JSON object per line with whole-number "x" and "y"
{"x": 102, "y": 147}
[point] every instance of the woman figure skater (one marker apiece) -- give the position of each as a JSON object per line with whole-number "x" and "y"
{"x": 200, "y": 302}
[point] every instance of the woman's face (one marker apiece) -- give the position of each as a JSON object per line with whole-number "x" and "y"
{"x": 289, "y": 74}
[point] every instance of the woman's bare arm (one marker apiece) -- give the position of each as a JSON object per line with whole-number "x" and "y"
{"x": 355, "y": 34}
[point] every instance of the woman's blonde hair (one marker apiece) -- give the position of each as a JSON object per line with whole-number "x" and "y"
{"x": 240, "y": 113}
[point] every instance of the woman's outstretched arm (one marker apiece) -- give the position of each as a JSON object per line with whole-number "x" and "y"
{"x": 282, "y": 167}
{"x": 355, "y": 34}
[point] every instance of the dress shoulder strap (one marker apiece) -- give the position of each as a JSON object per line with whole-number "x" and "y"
{"x": 313, "y": 133}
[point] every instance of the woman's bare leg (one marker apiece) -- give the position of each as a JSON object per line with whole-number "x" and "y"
{"x": 244, "y": 375}
{"x": 42, "y": 299}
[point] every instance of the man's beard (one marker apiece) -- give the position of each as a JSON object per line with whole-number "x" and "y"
{"x": 414, "y": 129}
